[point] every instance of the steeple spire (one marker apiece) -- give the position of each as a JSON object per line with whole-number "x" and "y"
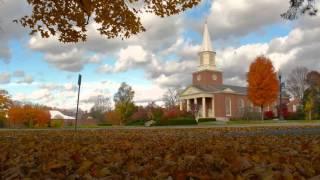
{"x": 206, "y": 43}
{"x": 206, "y": 54}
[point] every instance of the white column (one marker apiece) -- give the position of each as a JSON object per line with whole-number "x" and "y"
{"x": 203, "y": 107}
{"x": 212, "y": 107}
{"x": 195, "y": 101}
{"x": 181, "y": 108}
{"x": 188, "y": 105}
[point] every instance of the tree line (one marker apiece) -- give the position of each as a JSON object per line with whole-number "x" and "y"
{"x": 301, "y": 85}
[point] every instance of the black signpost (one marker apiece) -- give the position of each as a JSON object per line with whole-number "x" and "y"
{"x": 79, "y": 85}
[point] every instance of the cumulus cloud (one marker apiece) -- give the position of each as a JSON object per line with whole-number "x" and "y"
{"x": 161, "y": 33}
{"x": 73, "y": 60}
{"x": 10, "y": 10}
{"x": 229, "y": 18}
{"x": 5, "y": 78}
{"x": 18, "y": 73}
{"x": 28, "y": 79}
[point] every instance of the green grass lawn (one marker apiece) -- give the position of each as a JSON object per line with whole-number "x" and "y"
{"x": 243, "y": 122}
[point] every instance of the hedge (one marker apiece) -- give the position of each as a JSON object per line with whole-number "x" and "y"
{"x": 206, "y": 120}
{"x": 104, "y": 124}
{"x": 178, "y": 121}
{"x": 57, "y": 123}
{"x": 135, "y": 123}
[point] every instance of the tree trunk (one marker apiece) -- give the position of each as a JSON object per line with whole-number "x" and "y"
{"x": 310, "y": 114}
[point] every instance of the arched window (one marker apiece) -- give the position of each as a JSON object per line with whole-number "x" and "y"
{"x": 228, "y": 106}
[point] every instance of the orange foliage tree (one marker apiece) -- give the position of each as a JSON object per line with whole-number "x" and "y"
{"x": 29, "y": 116}
{"x": 113, "y": 117}
{"x": 263, "y": 84}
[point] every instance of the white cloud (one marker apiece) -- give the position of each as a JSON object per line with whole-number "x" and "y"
{"x": 130, "y": 57}
{"x": 5, "y": 78}
{"x": 10, "y": 10}
{"x": 73, "y": 60}
{"x": 229, "y": 18}
{"x": 28, "y": 79}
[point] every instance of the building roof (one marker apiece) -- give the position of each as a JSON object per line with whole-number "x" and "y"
{"x": 58, "y": 115}
{"x": 221, "y": 88}
{"x": 206, "y": 44}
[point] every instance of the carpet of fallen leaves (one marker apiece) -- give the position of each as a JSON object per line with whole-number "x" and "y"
{"x": 158, "y": 154}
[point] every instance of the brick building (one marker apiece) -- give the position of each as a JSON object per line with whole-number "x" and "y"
{"x": 213, "y": 98}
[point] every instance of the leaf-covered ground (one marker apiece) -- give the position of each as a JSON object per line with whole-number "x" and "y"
{"x": 212, "y": 153}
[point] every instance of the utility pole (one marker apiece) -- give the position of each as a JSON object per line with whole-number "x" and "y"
{"x": 79, "y": 85}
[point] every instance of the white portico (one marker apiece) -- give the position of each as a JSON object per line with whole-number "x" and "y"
{"x": 193, "y": 98}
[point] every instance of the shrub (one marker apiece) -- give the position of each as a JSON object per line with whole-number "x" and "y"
{"x": 136, "y": 123}
{"x": 57, "y": 123}
{"x": 104, "y": 124}
{"x": 3, "y": 119}
{"x": 178, "y": 121}
{"x": 113, "y": 117}
{"x": 155, "y": 113}
{"x": 250, "y": 113}
{"x": 140, "y": 115}
{"x": 29, "y": 116}
{"x": 206, "y": 120}
{"x": 173, "y": 113}
{"x": 268, "y": 115}
{"x": 299, "y": 115}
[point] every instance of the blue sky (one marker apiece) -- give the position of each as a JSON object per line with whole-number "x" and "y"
{"x": 158, "y": 59}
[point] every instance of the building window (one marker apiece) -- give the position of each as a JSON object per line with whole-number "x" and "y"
{"x": 228, "y": 106}
{"x": 214, "y": 77}
{"x": 241, "y": 105}
{"x": 294, "y": 108}
{"x": 199, "y": 77}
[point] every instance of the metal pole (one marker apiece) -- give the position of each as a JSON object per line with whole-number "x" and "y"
{"x": 280, "y": 99}
{"x": 79, "y": 85}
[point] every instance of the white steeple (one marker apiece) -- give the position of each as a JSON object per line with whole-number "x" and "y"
{"x": 206, "y": 54}
{"x": 206, "y": 43}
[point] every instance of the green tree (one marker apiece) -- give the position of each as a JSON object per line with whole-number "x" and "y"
{"x": 311, "y": 100}
{"x": 123, "y": 100}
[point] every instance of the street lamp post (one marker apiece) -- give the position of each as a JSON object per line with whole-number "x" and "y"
{"x": 79, "y": 85}
{"x": 280, "y": 97}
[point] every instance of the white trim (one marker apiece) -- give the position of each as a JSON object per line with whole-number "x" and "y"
{"x": 212, "y": 107}
{"x": 204, "y": 107}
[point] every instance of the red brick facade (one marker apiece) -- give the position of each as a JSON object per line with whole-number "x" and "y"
{"x": 207, "y": 77}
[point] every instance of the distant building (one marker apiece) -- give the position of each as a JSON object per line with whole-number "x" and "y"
{"x": 214, "y": 98}
{"x": 54, "y": 114}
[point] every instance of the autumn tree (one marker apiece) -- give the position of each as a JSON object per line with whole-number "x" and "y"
{"x": 69, "y": 19}
{"x": 296, "y": 83}
{"x": 171, "y": 97}
{"x": 29, "y": 116}
{"x": 263, "y": 85}
{"x": 300, "y": 7}
{"x": 5, "y": 104}
{"x": 113, "y": 117}
{"x": 123, "y": 100}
